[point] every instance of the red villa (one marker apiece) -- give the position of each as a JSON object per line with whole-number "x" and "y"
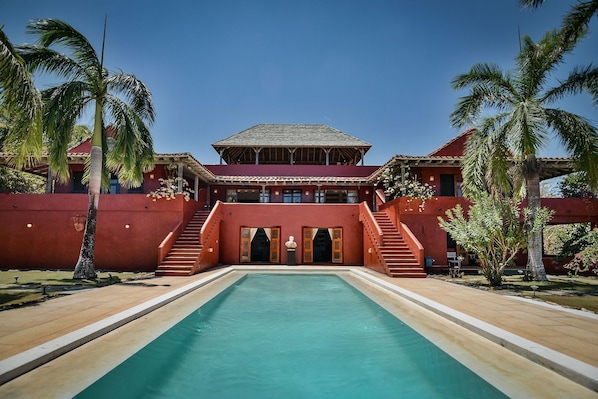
{"x": 273, "y": 182}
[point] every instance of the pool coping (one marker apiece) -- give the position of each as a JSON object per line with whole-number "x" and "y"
{"x": 567, "y": 366}
{"x": 583, "y": 373}
{"x": 28, "y": 360}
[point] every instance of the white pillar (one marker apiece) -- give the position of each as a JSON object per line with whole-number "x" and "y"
{"x": 180, "y": 176}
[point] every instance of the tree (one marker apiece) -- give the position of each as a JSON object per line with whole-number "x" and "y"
{"x": 587, "y": 258}
{"x": 21, "y": 133}
{"x": 576, "y": 20}
{"x": 519, "y": 125}
{"x": 492, "y": 230}
{"x": 118, "y": 99}
{"x": 575, "y": 185}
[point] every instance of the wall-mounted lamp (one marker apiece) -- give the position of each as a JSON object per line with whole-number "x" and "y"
{"x": 431, "y": 178}
{"x": 215, "y": 191}
{"x": 29, "y": 225}
{"x": 210, "y": 249}
{"x": 370, "y": 250}
{"x": 367, "y": 191}
{"x": 127, "y": 226}
{"x": 276, "y": 192}
{"x": 307, "y": 193}
{"x": 151, "y": 175}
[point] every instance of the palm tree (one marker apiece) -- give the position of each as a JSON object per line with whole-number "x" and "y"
{"x": 575, "y": 22}
{"x": 20, "y": 108}
{"x": 520, "y": 124}
{"x": 120, "y": 100}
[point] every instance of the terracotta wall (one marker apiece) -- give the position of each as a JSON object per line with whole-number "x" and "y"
{"x": 424, "y": 223}
{"x": 291, "y": 218}
{"x": 51, "y": 241}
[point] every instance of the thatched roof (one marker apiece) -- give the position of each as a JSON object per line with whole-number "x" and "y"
{"x": 281, "y": 143}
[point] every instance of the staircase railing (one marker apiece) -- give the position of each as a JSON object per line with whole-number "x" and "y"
{"x": 374, "y": 231}
{"x": 208, "y": 238}
{"x": 416, "y": 248}
{"x": 167, "y": 243}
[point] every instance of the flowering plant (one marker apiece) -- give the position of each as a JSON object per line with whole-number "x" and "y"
{"x": 169, "y": 187}
{"x": 586, "y": 259}
{"x": 396, "y": 186}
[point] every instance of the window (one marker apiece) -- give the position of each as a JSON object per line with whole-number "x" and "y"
{"x": 247, "y": 195}
{"x": 114, "y": 185}
{"x": 78, "y": 186}
{"x": 291, "y": 196}
{"x": 265, "y": 196}
{"x": 231, "y": 195}
{"x": 336, "y": 196}
{"x": 352, "y": 197}
{"x": 136, "y": 190}
{"x": 320, "y": 196}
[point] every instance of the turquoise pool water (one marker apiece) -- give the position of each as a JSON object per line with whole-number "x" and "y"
{"x": 291, "y": 336}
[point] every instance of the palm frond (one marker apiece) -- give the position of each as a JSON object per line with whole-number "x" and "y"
{"x": 580, "y": 79}
{"x": 526, "y": 129}
{"x": 56, "y": 32}
{"x": 579, "y": 138}
{"x": 135, "y": 92}
{"x": 531, "y": 3}
{"x": 132, "y": 152}
{"x": 489, "y": 88}
{"x": 64, "y": 105}
{"x": 45, "y": 60}
{"x": 474, "y": 163}
{"x": 576, "y": 22}
{"x": 22, "y": 101}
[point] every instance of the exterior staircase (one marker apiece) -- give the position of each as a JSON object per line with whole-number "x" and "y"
{"x": 399, "y": 259}
{"x": 186, "y": 249}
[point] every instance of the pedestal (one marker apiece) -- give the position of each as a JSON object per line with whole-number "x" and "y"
{"x": 291, "y": 258}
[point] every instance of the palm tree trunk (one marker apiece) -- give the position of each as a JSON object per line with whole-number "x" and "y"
{"x": 535, "y": 266}
{"x": 85, "y": 267}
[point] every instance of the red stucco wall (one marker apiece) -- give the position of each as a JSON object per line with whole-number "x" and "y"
{"x": 52, "y": 241}
{"x": 291, "y": 218}
{"x": 424, "y": 223}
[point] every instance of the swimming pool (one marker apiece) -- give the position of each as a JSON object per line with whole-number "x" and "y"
{"x": 291, "y": 336}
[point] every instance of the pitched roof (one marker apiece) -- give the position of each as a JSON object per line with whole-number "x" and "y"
{"x": 455, "y": 146}
{"x": 288, "y": 135}
{"x": 291, "y": 144}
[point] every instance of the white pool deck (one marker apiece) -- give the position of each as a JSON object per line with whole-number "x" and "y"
{"x": 58, "y": 347}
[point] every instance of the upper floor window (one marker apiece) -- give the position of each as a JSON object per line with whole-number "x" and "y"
{"x": 352, "y": 196}
{"x": 292, "y": 196}
{"x": 78, "y": 186}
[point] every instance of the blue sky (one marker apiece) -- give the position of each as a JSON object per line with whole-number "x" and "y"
{"x": 378, "y": 70}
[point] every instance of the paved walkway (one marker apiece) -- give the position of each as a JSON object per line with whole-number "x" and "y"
{"x": 574, "y": 334}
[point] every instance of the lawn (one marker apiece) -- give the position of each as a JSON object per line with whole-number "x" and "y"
{"x": 574, "y": 292}
{"x": 22, "y": 287}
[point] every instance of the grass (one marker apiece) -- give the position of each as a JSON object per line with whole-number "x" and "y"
{"x": 33, "y": 286}
{"x": 573, "y": 292}
{"x": 25, "y": 287}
